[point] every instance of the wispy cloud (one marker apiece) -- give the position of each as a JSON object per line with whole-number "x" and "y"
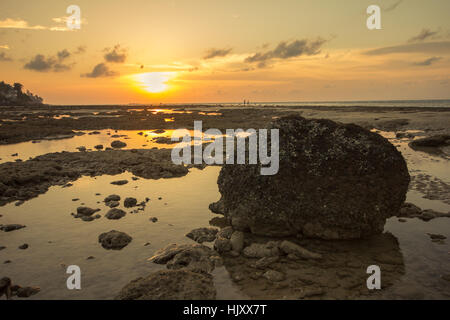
{"x": 393, "y": 6}
{"x": 213, "y": 53}
{"x": 427, "y": 62}
{"x": 99, "y": 71}
{"x": 423, "y": 35}
{"x": 9, "y": 23}
{"x": 286, "y": 50}
{"x": 442, "y": 47}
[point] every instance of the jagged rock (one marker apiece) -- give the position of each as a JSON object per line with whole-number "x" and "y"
{"x": 335, "y": 181}
{"x": 129, "y": 202}
{"x": 115, "y": 214}
{"x": 289, "y": 247}
{"x": 260, "y": 250}
{"x": 170, "y": 285}
{"x": 195, "y": 257}
{"x": 113, "y": 239}
{"x": 201, "y": 235}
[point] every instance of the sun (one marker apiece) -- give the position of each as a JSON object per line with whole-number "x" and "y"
{"x": 153, "y": 82}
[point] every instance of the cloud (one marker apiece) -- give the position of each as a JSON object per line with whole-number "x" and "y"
{"x": 213, "y": 53}
{"x": 4, "y": 57}
{"x": 286, "y": 50}
{"x": 427, "y": 62}
{"x": 80, "y": 50}
{"x": 425, "y": 47}
{"x": 100, "y": 70}
{"x": 393, "y": 6}
{"x": 41, "y": 63}
{"x": 9, "y": 23}
{"x": 117, "y": 54}
{"x": 423, "y": 35}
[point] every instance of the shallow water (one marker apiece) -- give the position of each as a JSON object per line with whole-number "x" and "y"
{"x": 57, "y": 239}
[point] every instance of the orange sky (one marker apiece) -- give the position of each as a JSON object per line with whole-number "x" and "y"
{"x": 226, "y": 51}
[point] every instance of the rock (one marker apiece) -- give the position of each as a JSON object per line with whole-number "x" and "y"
{"x": 118, "y": 144}
{"x": 409, "y": 210}
{"x": 222, "y": 245}
{"x": 11, "y": 227}
{"x": 195, "y": 257}
{"x": 335, "y": 181}
{"x": 265, "y": 262}
{"x": 19, "y": 203}
{"x": 153, "y": 219}
{"x": 434, "y": 236}
{"x": 112, "y": 197}
{"x": 119, "y": 182}
{"x": 274, "y": 276}
{"x": 433, "y": 141}
{"x": 170, "y": 285}
{"x": 112, "y": 204}
{"x": 130, "y": 202}
{"x": 237, "y": 241}
{"x": 23, "y": 246}
{"x": 225, "y": 233}
{"x": 90, "y": 258}
{"x": 201, "y": 235}
{"x": 113, "y": 239}
{"x": 2, "y": 248}
{"x": 5, "y": 287}
{"x": 311, "y": 292}
{"x": 159, "y": 131}
{"x": 26, "y": 292}
{"x": 217, "y": 207}
{"x": 260, "y": 250}
{"x": 86, "y": 211}
{"x": 81, "y": 148}
{"x": 115, "y": 214}
{"x": 99, "y": 147}
{"x": 289, "y": 247}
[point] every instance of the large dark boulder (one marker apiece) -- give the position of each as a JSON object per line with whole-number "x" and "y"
{"x": 335, "y": 181}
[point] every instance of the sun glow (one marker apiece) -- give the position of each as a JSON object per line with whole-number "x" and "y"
{"x": 153, "y": 82}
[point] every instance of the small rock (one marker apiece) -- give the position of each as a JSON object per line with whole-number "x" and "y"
{"x": 98, "y": 147}
{"x": 112, "y": 197}
{"x": 114, "y": 240}
{"x": 112, "y": 204}
{"x": 23, "y": 246}
{"x": 222, "y": 245}
{"x": 19, "y": 203}
{"x": 27, "y": 291}
{"x": 119, "y": 182}
{"x": 11, "y": 227}
{"x": 86, "y": 211}
{"x": 81, "y": 148}
{"x": 115, "y": 214}
{"x": 153, "y": 219}
{"x": 436, "y": 236}
{"x": 130, "y": 202}
{"x": 118, "y": 144}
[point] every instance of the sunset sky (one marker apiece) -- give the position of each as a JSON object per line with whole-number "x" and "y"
{"x": 152, "y": 51}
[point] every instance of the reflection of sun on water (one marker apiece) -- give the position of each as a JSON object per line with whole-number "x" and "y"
{"x": 153, "y": 82}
